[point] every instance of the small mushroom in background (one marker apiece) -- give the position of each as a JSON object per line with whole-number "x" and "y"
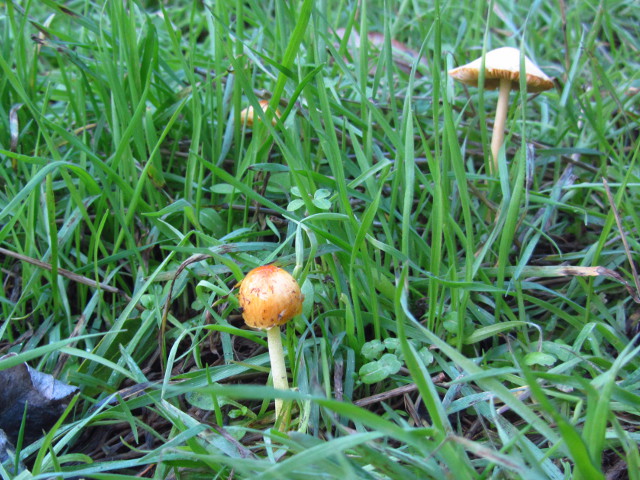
{"x": 247, "y": 115}
{"x": 270, "y": 297}
{"x": 502, "y": 71}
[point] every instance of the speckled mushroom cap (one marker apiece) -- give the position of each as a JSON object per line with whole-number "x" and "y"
{"x": 269, "y": 296}
{"x": 503, "y": 63}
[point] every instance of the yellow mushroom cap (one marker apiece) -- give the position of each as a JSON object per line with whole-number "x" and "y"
{"x": 503, "y": 63}
{"x": 247, "y": 115}
{"x": 269, "y": 296}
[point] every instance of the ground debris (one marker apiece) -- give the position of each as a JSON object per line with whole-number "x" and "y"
{"x": 43, "y": 397}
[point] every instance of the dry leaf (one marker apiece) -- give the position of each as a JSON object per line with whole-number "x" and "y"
{"x": 403, "y": 55}
{"x": 45, "y": 398}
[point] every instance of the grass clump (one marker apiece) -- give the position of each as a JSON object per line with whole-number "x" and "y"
{"x": 454, "y": 324}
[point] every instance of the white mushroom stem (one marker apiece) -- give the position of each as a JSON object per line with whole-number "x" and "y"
{"x": 278, "y": 369}
{"x": 497, "y": 139}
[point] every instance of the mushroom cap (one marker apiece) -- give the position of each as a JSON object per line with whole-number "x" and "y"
{"x": 503, "y": 63}
{"x": 269, "y": 297}
{"x": 247, "y": 115}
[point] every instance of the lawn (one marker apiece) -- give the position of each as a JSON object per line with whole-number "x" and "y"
{"x": 466, "y": 315}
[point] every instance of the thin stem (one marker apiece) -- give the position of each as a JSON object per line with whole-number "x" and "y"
{"x": 497, "y": 139}
{"x": 278, "y": 369}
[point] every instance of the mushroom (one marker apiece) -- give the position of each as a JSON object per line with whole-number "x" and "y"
{"x": 502, "y": 71}
{"x": 270, "y": 297}
{"x": 247, "y": 116}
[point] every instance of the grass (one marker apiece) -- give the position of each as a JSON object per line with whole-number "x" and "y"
{"x": 456, "y": 324}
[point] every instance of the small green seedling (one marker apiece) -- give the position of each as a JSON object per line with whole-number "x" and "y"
{"x": 320, "y": 199}
{"x": 383, "y": 365}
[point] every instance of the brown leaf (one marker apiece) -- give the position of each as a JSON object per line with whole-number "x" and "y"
{"x": 45, "y": 399}
{"x": 403, "y": 55}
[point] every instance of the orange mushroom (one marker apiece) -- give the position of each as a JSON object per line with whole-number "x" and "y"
{"x": 270, "y": 297}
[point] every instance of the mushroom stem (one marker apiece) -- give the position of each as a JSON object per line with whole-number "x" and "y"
{"x": 278, "y": 369}
{"x": 497, "y": 139}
